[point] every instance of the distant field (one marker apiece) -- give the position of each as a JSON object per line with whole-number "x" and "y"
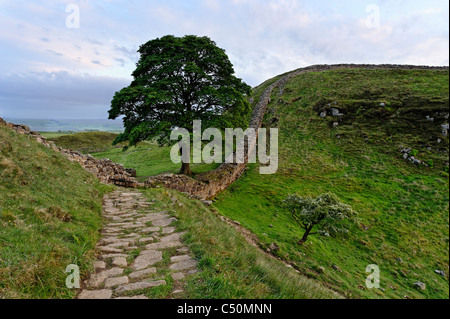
{"x": 70, "y": 125}
{"x": 51, "y": 135}
{"x": 85, "y": 142}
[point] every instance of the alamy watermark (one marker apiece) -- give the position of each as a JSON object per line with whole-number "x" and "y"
{"x": 73, "y": 279}
{"x": 373, "y": 280}
{"x": 373, "y": 20}
{"x": 73, "y": 19}
{"x": 250, "y": 139}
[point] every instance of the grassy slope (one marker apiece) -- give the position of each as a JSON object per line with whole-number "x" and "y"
{"x": 229, "y": 266}
{"x": 49, "y": 218}
{"x": 403, "y": 208}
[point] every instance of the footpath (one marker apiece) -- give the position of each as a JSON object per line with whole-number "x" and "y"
{"x": 139, "y": 249}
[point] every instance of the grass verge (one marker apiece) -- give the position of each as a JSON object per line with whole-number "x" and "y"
{"x": 229, "y": 266}
{"x": 50, "y": 216}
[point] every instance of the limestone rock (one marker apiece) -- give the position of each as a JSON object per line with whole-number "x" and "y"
{"x": 146, "y": 259}
{"x": 95, "y": 294}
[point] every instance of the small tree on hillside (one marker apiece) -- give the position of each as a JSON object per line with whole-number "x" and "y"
{"x": 325, "y": 213}
{"x": 177, "y": 81}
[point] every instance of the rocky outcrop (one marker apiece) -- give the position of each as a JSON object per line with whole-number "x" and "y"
{"x": 105, "y": 170}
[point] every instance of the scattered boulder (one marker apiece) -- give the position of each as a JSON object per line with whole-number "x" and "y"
{"x": 445, "y": 128}
{"x": 335, "y": 112}
{"x": 440, "y": 272}
{"x": 420, "y": 285}
{"x": 407, "y": 156}
{"x": 274, "y": 247}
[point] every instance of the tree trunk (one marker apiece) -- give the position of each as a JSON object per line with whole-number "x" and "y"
{"x": 305, "y": 237}
{"x": 186, "y": 169}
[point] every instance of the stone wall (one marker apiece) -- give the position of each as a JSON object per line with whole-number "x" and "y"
{"x": 105, "y": 170}
{"x": 208, "y": 185}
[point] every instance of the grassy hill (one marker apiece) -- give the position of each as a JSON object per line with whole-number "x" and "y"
{"x": 50, "y": 216}
{"x": 357, "y": 154}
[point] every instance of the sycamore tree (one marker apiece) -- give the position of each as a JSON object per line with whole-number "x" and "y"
{"x": 176, "y": 81}
{"x": 324, "y": 214}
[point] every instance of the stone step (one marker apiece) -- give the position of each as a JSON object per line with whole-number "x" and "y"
{"x": 140, "y": 285}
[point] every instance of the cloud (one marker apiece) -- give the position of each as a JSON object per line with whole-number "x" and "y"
{"x": 57, "y": 95}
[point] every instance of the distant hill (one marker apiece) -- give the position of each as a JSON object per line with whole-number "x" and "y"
{"x": 70, "y": 125}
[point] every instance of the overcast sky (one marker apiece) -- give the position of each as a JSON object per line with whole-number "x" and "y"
{"x": 65, "y": 59}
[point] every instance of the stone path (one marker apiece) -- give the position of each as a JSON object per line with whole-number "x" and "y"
{"x": 139, "y": 249}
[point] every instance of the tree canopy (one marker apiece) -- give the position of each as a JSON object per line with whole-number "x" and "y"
{"x": 178, "y": 80}
{"x": 325, "y": 212}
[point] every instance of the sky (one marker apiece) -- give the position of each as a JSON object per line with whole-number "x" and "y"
{"x": 65, "y": 59}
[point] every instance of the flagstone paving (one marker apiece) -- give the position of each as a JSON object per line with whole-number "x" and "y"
{"x": 135, "y": 239}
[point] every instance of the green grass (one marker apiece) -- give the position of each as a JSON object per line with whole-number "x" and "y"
{"x": 50, "y": 216}
{"x": 52, "y": 135}
{"x": 229, "y": 267}
{"x": 403, "y": 208}
{"x": 148, "y": 159}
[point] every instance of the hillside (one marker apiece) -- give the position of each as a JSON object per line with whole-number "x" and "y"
{"x": 49, "y": 218}
{"x": 378, "y": 139}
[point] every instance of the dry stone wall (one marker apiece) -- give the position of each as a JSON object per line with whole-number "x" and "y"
{"x": 105, "y": 170}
